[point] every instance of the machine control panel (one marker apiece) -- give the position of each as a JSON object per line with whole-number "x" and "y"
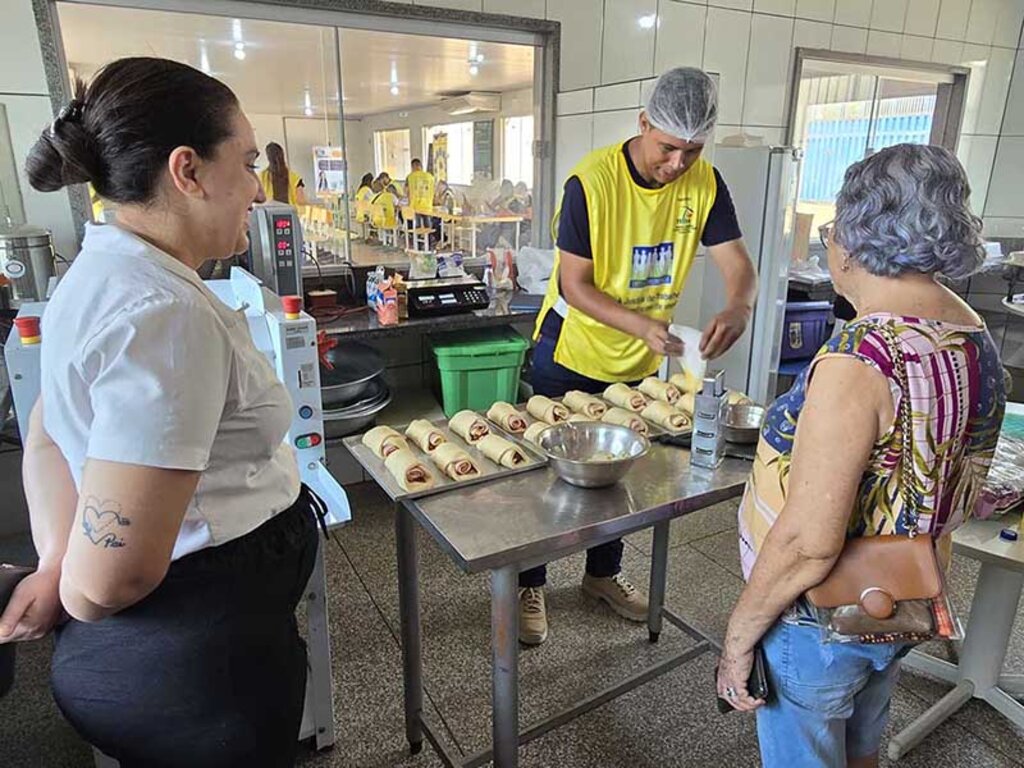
{"x": 275, "y": 247}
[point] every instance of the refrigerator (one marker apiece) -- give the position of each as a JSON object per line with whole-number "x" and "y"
{"x": 763, "y": 185}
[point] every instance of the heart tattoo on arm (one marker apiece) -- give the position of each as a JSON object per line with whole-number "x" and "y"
{"x": 101, "y": 521}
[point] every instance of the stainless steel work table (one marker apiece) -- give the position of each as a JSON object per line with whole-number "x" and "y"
{"x": 510, "y": 525}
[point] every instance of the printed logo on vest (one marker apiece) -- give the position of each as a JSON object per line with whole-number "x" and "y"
{"x": 652, "y": 265}
{"x": 685, "y": 222}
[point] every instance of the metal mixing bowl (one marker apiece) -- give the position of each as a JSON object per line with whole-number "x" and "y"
{"x": 571, "y": 448}
{"x": 743, "y": 423}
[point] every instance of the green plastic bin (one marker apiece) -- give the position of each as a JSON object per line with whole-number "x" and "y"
{"x": 476, "y": 368}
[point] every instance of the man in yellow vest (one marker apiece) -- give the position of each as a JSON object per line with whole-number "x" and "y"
{"x": 631, "y": 219}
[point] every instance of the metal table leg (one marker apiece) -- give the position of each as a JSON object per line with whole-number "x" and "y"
{"x": 320, "y": 682}
{"x": 505, "y": 672}
{"x": 659, "y": 569}
{"x": 981, "y": 659}
{"x": 409, "y": 610}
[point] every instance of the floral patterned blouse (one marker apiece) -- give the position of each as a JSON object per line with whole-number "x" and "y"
{"x": 957, "y": 397}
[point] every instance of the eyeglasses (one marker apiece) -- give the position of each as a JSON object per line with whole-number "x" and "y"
{"x": 825, "y": 233}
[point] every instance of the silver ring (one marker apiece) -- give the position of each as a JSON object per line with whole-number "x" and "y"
{"x": 730, "y": 693}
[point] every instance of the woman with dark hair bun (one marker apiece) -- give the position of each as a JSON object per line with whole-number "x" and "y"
{"x": 170, "y": 521}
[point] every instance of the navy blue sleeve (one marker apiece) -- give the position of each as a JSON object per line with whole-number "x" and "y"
{"x": 573, "y": 221}
{"x": 721, "y": 226}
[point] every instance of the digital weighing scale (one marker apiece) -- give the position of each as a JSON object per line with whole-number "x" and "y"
{"x": 446, "y": 296}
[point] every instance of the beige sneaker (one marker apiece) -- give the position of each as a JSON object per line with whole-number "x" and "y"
{"x": 621, "y": 596}
{"x": 533, "y": 616}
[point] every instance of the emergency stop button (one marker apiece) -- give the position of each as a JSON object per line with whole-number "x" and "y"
{"x": 312, "y": 440}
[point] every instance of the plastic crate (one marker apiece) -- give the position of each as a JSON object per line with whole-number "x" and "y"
{"x": 808, "y": 325}
{"x": 476, "y": 368}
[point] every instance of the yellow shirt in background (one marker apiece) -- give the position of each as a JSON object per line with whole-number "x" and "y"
{"x": 364, "y": 198}
{"x": 421, "y": 191}
{"x": 293, "y": 186}
{"x": 382, "y": 211}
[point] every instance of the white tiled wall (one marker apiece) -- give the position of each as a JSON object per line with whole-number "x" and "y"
{"x": 750, "y": 45}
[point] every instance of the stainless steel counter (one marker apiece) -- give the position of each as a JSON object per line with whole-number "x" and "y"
{"x": 539, "y": 517}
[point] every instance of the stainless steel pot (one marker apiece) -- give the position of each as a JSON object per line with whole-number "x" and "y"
{"x": 356, "y": 367}
{"x": 357, "y": 417}
{"x": 26, "y": 259}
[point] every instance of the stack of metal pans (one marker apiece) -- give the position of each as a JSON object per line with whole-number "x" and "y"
{"x": 353, "y": 390}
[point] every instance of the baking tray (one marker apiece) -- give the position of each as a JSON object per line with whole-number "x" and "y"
{"x": 489, "y": 471}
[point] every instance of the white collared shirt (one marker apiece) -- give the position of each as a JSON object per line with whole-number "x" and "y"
{"x": 143, "y": 364}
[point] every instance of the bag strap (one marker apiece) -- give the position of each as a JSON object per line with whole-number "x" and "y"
{"x": 908, "y": 486}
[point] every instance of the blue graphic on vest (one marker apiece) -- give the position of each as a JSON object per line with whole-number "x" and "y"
{"x": 652, "y": 265}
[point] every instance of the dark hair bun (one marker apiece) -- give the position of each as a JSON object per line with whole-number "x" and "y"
{"x": 118, "y": 133}
{"x": 65, "y": 154}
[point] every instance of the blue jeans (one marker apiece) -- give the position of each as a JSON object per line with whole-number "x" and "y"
{"x": 829, "y": 702}
{"x": 550, "y": 379}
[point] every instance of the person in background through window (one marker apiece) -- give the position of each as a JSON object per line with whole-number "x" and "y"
{"x": 364, "y": 196}
{"x": 280, "y": 183}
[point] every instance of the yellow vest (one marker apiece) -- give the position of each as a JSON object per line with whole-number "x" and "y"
{"x": 364, "y": 196}
{"x": 293, "y": 186}
{"x": 382, "y": 211}
{"x": 421, "y": 191}
{"x": 643, "y": 243}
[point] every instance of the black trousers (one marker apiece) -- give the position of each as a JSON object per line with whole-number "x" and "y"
{"x": 209, "y": 669}
{"x": 550, "y": 379}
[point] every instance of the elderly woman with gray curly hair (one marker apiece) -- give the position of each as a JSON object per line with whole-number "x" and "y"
{"x": 828, "y": 465}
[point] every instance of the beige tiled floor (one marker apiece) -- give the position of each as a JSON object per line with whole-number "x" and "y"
{"x": 670, "y": 722}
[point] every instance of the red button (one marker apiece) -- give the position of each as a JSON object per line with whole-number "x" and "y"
{"x": 28, "y": 326}
{"x": 292, "y": 304}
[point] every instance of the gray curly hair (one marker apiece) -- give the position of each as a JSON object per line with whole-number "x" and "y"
{"x": 905, "y": 209}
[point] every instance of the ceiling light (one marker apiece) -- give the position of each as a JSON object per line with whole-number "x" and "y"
{"x": 240, "y": 52}
{"x": 647, "y": 22}
{"x": 474, "y": 70}
{"x": 236, "y": 30}
{"x": 479, "y": 58}
{"x": 239, "y": 46}
{"x": 394, "y": 90}
{"x": 308, "y": 111}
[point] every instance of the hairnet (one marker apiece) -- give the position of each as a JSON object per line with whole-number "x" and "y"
{"x": 684, "y": 104}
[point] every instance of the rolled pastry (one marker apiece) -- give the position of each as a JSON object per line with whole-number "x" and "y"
{"x": 507, "y": 417}
{"x": 501, "y": 451}
{"x": 579, "y": 417}
{"x": 666, "y": 416}
{"x": 686, "y": 381}
{"x": 469, "y": 426}
{"x": 411, "y": 473}
{"x": 687, "y": 403}
{"x": 586, "y": 404}
{"x": 425, "y": 434}
{"x": 547, "y": 410}
{"x": 625, "y": 397}
{"x": 660, "y": 390}
{"x": 534, "y": 431}
{"x": 384, "y": 441}
{"x": 454, "y": 462}
{"x": 625, "y": 418}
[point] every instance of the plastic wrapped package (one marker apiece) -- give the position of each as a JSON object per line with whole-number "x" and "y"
{"x": 1004, "y": 488}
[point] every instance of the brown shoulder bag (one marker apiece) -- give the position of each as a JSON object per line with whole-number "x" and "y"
{"x": 886, "y": 589}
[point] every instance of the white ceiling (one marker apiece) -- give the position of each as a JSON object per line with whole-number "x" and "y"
{"x": 283, "y": 60}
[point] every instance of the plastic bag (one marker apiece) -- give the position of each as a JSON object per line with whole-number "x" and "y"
{"x": 922, "y": 620}
{"x": 1004, "y": 487}
{"x": 535, "y": 266}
